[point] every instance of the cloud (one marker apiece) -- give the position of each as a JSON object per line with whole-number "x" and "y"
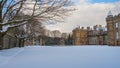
{"x": 83, "y": 1}
{"x": 88, "y": 14}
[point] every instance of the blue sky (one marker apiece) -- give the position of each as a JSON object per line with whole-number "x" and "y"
{"x": 97, "y": 1}
{"x": 105, "y": 1}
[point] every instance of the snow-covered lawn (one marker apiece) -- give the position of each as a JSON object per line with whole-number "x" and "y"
{"x": 61, "y": 57}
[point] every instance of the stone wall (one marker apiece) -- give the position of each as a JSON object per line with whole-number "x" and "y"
{"x": 9, "y": 42}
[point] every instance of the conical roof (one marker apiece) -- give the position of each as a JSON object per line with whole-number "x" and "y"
{"x": 110, "y": 13}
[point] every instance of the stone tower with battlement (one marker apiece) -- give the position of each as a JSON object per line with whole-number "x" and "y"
{"x": 80, "y": 36}
{"x": 113, "y": 27}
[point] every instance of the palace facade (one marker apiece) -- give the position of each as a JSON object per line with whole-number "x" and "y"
{"x": 89, "y": 36}
{"x": 98, "y": 35}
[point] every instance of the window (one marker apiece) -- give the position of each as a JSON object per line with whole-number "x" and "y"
{"x": 117, "y": 35}
{"x": 116, "y": 25}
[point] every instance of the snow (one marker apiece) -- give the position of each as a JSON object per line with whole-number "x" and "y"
{"x": 61, "y": 57}
{"x": 4, "y": 28}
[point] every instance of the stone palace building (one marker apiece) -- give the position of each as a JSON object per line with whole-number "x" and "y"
{"x": 98, "y": 35}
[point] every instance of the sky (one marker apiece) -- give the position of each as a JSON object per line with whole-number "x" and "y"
{"x": 88, "y": 13}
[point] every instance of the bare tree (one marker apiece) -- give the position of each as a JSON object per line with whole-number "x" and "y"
{"x": 20, "y": 35}
{"x": 34, "y": 29}
{"x": 44, "y": 10}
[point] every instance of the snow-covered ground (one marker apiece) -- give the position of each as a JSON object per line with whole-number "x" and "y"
{"x": 61, "y": 57}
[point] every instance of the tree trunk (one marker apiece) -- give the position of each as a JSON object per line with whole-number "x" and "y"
{"x": 33, "y": 40}
{"x": 0, "y": 16}
{"x": 23, "y": 42}
{"x": 1, "y": 36}
{"x": 1, "y": 41}
{"x": 19, "y": 44}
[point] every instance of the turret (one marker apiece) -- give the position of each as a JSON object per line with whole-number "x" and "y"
{"x": 109, "y": 16}
{"x": 95, "y": 27}
{"x": 110, "y": 28}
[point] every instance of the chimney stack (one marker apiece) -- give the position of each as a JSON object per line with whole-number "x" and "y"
{"x": 88, "y": 28}
{"x": 82, "y": 27}
{"x": 95, "y": 27}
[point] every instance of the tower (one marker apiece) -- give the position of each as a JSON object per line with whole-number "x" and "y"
{"x": 110, "y": 28}
{"x": 80, "y": 36}
{"x": 117, "y": 29}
